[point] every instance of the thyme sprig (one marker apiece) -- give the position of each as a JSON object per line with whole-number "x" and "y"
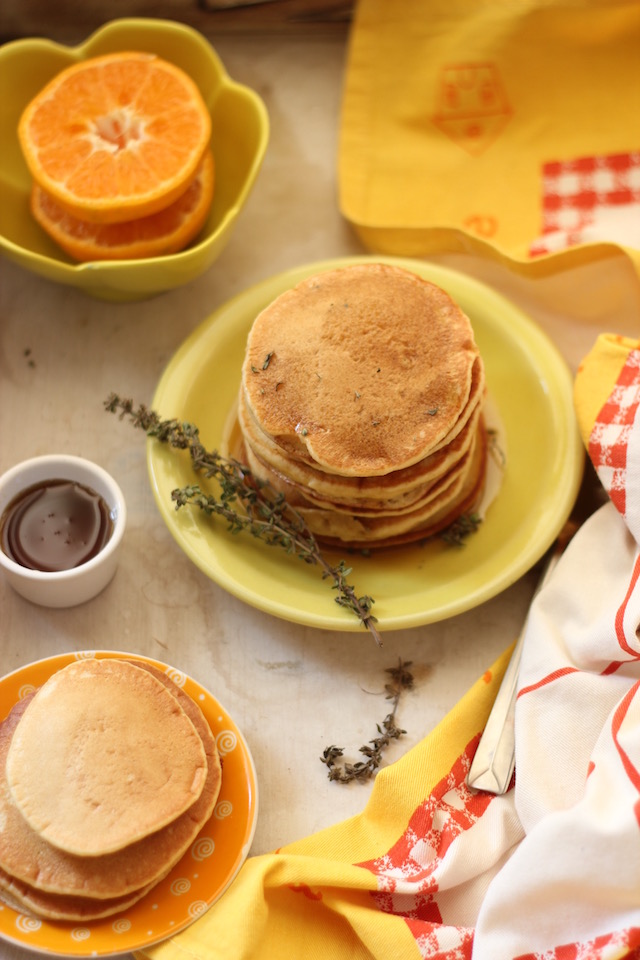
{"x": 388, "y": 730}
{"x": 264, "y": 513}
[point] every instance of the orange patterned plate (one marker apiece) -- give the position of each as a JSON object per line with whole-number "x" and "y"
{"x": 201, "y": 876}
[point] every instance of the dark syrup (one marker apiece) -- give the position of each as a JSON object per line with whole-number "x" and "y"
{"x": 55, "y": 525}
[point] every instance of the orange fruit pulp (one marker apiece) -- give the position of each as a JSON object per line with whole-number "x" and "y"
{"x": 116, "y": 137}
{"x": 166, "y": 231}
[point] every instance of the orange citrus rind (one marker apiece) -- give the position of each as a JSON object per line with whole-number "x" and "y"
{"x": 158, "y": 234}
{"x": 116, "y": 137}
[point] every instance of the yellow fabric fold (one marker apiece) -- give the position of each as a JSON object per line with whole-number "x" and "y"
{"x": 495, "y": 128}
{"x": 597, "y": 376}
{"x": 311, "y": 898}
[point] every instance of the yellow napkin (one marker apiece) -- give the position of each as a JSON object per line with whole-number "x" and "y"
{"x": 494, "y": 127}
{"x": 340, "y": 894}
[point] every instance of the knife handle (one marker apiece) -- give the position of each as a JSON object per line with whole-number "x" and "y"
{"x": 493, "y": 764}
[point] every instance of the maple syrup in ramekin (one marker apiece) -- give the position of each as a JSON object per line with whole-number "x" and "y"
{"x": 55, "y": 525}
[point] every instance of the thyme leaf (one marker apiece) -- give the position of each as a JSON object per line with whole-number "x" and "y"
{"x": 344, "y": 771}
{"x": 458, "y": 531}
{"x": 247, "y": 504}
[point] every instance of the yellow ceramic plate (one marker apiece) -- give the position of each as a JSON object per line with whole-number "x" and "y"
{"x": 529, "y": 384}
{"x": 204, "y": 872}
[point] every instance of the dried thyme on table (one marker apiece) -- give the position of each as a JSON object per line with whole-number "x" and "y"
{"x": 344, "y": 771}
{"x": 247, "y": 504}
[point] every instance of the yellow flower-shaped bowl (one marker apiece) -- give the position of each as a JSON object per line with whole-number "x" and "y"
{"x": 240, "y": 132}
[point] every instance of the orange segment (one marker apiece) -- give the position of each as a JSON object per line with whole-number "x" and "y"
{"x": 166, "y": 231}
{"x": 116, "y": 137}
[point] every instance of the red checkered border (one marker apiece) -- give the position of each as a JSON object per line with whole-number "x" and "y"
{"x": 609, "y": 440}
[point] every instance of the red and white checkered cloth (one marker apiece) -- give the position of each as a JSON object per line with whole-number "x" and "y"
{"x": 613, "y": 444}
{"x": 570, "y": 888}
{"x": 590, "y": 199}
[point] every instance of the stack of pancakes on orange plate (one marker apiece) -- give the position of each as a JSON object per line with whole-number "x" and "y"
{"x": 362, "y": 401}
{"x": 108, "y": 772}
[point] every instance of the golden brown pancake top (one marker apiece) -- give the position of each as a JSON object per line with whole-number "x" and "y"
{"x": 100, "y": 737}
{"x": 365, "y": 368}
{"x": 34, "y": 864}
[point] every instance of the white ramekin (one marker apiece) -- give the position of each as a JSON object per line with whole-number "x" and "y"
{"x": 64, "y": 588}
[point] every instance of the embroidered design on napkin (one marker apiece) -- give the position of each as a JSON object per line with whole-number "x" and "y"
{"x": 590, "y": 199}
{"x": 609, "y": 442}
{"x": 471, "y": 105}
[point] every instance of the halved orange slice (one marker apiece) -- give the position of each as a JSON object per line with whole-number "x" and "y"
{"x": 116, "y": 137}
{"x": 166, "y": 231}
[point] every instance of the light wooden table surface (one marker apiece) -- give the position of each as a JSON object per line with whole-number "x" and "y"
{"x": 291, "y": 689}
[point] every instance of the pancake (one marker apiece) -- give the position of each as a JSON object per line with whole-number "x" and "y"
{"x": 361, "y": 401}
{"x": 406, "y": 484}
{"x": 298, "y": 496}
{"x": 98, "y": 738}
{"x": 397, "y": 489}
{"x": 35, "y": 865}
{"x": 365, "y": 369}
{"x": 360, "y": 531}
{"x": 24, "y": 898}
{"x": 441, "y": 519}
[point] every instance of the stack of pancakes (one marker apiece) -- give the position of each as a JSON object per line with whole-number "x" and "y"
{"x": 108, "y": 772}
{"x": 362, "y": 401}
